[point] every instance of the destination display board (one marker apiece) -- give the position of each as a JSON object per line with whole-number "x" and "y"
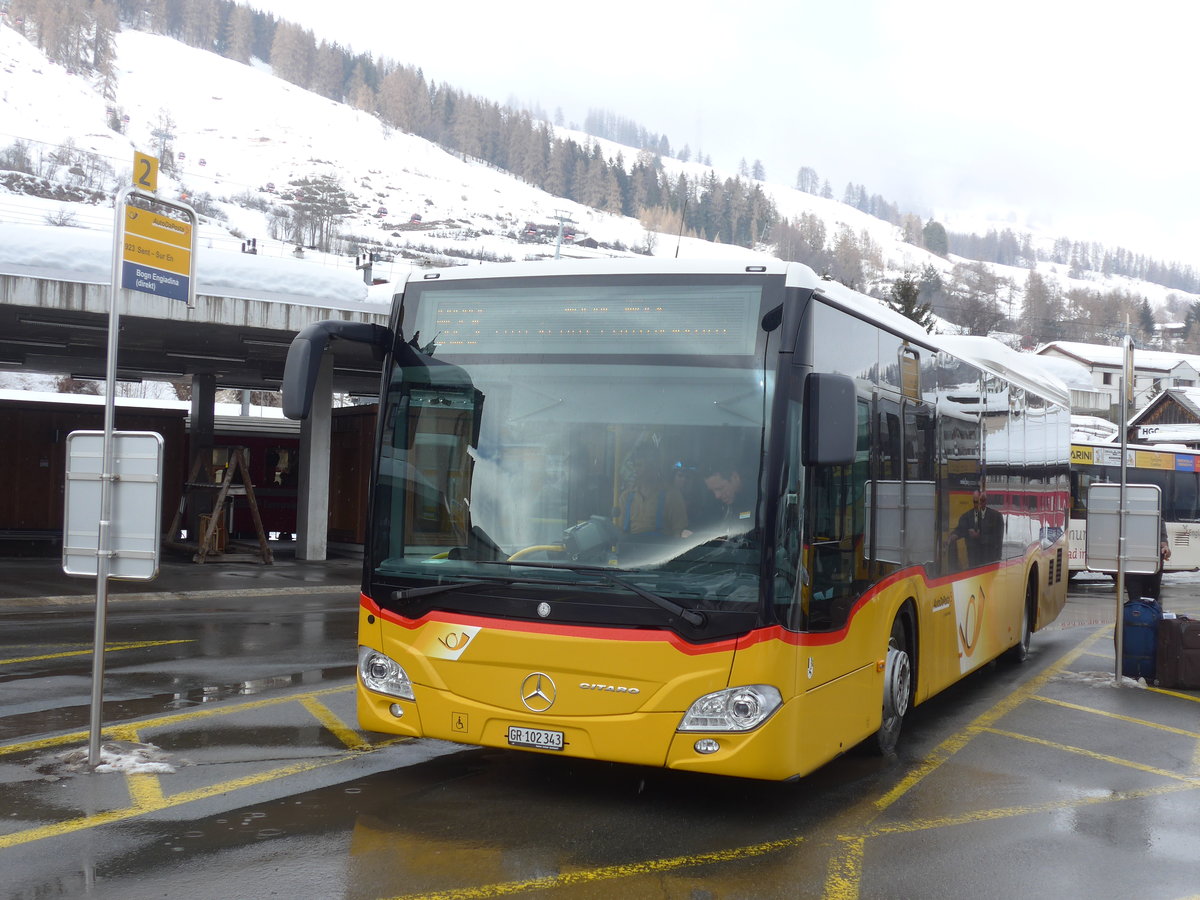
{"x": 157, "y": 254}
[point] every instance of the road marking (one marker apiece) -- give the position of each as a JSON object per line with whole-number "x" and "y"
{"x": 1091, "y": 710}
{"x": 173, "y": 719}
{"x": 326, "y": 716}
{"x": 845, "y": 870}
{"x": 949, "y": 747}
{"x": 844, "y": 877}
{"x": 145, "y": 789}
{"x": 1194, "y": 698}
{"x": 1100, "y": 757}
{"x": 993, "y": 815}
{"x": 607, "y": 873}
{"x": 108, "y": 648}
{"x": 151, "y": 805}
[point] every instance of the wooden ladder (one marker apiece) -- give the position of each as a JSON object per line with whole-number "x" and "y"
{"x": 226, "y": 490}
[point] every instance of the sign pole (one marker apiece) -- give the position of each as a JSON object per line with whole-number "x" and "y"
{"x": 1127, "y": 383}
{"x": 104, "y": 545}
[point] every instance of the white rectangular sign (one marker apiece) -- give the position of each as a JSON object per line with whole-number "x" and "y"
{"x": 1142, "y": 527}
{"x": 136, "y": 504}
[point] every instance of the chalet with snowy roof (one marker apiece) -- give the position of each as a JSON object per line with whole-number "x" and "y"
{"x": 1154, "y": 370}
{"x": 1172, "y": 417}
{"x": 1086, "y": 399}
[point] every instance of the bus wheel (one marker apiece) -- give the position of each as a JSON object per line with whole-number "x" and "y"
{"x": 1020, "y": 652}
{"x": 897, "y": 689}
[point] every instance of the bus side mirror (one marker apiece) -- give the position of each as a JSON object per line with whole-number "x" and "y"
{"x": 830, "y": 436}
{"x": 304, "y": 358}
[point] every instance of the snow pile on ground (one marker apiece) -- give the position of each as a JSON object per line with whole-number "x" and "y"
{"x": 1101, "y": 679}
{"x": 127, "y": 757}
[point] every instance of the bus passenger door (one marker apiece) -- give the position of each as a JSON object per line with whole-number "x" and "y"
{"x": 902, "y": 498}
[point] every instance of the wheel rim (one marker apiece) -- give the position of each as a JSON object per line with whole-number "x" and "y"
{"x": 897, "y": 684}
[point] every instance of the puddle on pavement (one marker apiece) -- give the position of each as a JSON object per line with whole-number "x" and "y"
{"x": 76, "y": 716}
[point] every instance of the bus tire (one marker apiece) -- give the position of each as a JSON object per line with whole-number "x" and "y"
{"x": 897, "y": 688}
{"x": 1019, "y": 652}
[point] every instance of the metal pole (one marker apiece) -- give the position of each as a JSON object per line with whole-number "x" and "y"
{"x": 107, "y": 476}
{"x": 1126, "y": 390}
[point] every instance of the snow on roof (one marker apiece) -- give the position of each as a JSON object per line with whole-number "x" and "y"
{"x": 1102, "y": 355}
{"x": 1074, "y": 375}
{"x": 1094, "y": 429}
{"x": 160, "y": 403}
{"x": 45, "y": 251}
{"x": 1023, "y": 369}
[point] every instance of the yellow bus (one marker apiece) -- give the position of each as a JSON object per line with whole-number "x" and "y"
{"x": 698, "y": 515}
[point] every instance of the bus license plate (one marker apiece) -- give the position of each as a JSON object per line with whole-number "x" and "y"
{"x": 534, "y": 737}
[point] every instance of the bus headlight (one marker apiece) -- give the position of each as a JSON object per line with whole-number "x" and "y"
{"x": 383, "y": 674}
{"x": 733, "y": 709}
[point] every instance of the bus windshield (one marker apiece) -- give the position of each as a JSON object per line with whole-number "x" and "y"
{"x": 503, "y": 459}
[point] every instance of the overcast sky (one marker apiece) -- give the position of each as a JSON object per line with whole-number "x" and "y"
{"x": 1067, "y": 115}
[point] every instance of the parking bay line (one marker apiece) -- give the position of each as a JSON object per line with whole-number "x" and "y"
{"x": 844, "y": 872}
{"x": 606, "y": 873}
{"x": 108, "y": 648}
{"x": 1091, "y": 710}
{"x": 145, "y": 789}
{"x": 151, "y": 804}
{"x": 172, "y": 719}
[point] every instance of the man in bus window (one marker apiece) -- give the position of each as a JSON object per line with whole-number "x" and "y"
{"x": 725, "y": 482}
{"x": 982, "y": 529}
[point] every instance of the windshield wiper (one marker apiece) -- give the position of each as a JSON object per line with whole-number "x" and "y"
{"x": 429, "y": 590}
{"x": 445, "y": 587}
{"x": 691, "y": 616}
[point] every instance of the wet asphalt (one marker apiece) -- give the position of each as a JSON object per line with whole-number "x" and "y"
{"x": 1039, "y": 779}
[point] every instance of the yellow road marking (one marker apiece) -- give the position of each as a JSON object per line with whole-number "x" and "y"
{"x": 1194, "y": 698}
{"x": 1092, "y": 754}
{"x": 150, "y": 804}
{"x": 108, "y": 648}
{"x": 326, "y": 716}
{"x": 145, "y": 789}
{"x": 956, "y": 742}
{"x": 163, "y": 721}
{"x": 992, "y": 815}
{"x": 1091, "y": 710}
{"x": 606, "y": 873}
{"x": 845, "y": 870}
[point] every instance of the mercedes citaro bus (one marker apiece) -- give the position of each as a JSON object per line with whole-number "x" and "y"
{"x": 700, "y": 515}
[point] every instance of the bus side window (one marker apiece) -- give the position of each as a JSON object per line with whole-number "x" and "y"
{"x": 1184, "y": 498}
{"x": 1079, "y": 485}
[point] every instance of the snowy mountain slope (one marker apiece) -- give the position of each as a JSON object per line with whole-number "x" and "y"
{"x": 237, "y": 128}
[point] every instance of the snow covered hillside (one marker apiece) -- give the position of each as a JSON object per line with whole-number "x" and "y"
{"x": 241, "y": 135}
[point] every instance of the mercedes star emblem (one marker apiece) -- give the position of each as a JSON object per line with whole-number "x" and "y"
{"x": 538, "y": 692}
